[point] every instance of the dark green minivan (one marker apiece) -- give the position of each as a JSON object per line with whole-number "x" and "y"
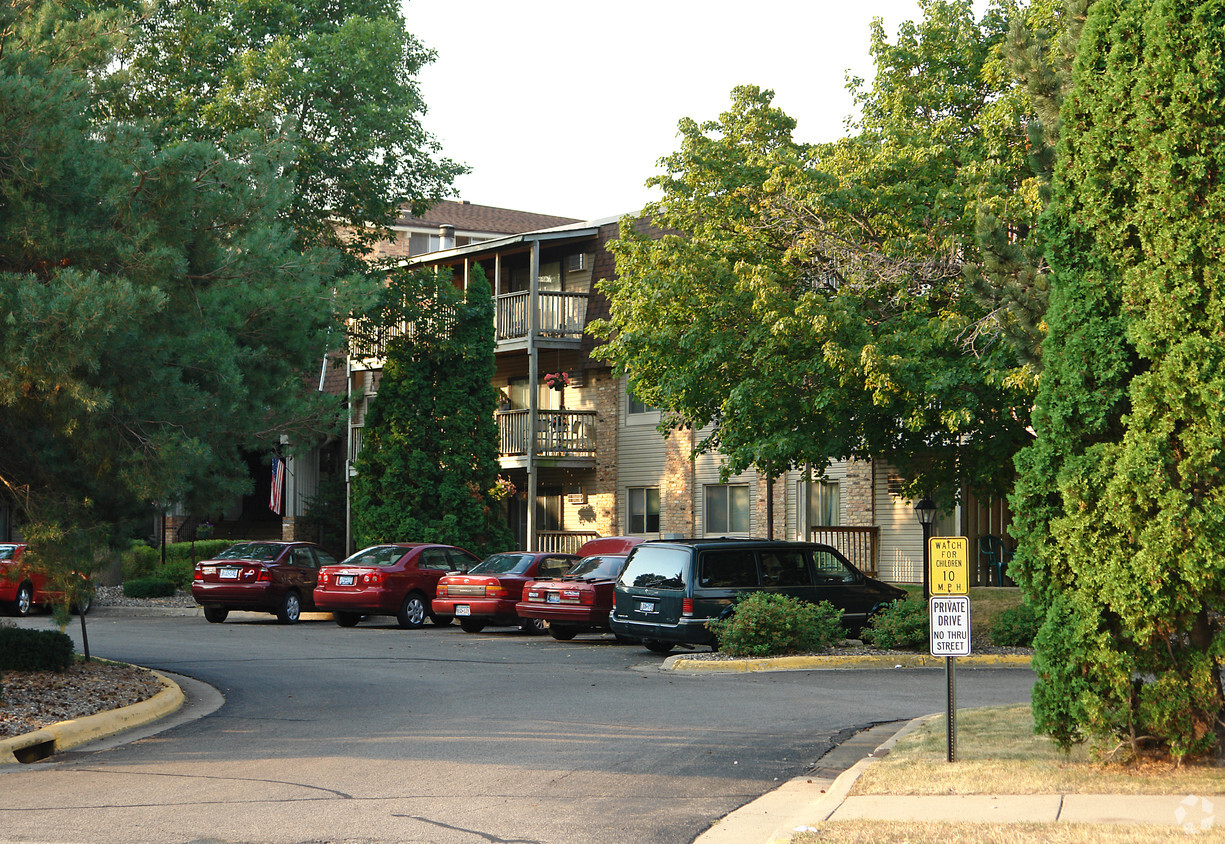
{"x": 668, "y": 590}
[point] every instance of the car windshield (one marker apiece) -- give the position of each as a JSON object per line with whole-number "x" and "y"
{"x": 658, "y": 568}
{"x": 262, "y": 551}
{"x": 7, "y": 551}
{"x": 604, "y": 566}
{"x": 502, "y": 564}
{"x": 379, "y": 555}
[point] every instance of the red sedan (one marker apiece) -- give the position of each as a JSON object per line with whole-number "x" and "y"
{"x": 487, "y": 594}
{"x": 579, "y": 600}
{"x": 398, "y": 579}
{"x": 275, "y": 577}
{"x": 22, "y": 587}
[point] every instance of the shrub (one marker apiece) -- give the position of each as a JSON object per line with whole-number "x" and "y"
{"x": 141, "y": 561}
{"x": 901, "y": 625}
{"x": 1015, "y": 627}
{"x": 766, "y": 625}
{"x": 22, "y": 649}
{"x": 148, "y": 587}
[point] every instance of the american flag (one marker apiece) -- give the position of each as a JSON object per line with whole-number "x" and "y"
{"x": 276, "y": 500}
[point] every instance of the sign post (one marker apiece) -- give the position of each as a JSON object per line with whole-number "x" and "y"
{"x": 948, "y": 614}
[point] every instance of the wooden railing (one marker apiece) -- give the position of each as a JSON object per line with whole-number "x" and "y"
{"x": 568, "y": 433}
{"x": 562, "y": 542}
{"x": 561, "y": 315}
{"x": 860, "y": 545}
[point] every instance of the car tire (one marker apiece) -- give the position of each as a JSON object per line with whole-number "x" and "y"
{"x": 346, "y": 619}
{"x": 471, "y": 625}
{"x": 290, "y": 609}
{"x": 441, "y": 620}
{"x": 412, "y": 612}
{"x": 215, "y": 615}
{"x": 562, "y": 634}
{"x": 657, "y": 647}
{"x": 24, "y": 604}
{"x": 533, "y": 626}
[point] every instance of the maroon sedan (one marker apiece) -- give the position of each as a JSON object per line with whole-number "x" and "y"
{"x": 487, "y": 594}
{"x": 579, "y": 600}
{"x": 398, "y": 579}
{"x": 275, "y": 577}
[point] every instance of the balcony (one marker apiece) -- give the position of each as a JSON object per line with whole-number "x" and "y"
{"x": 860, "y": 545}
{"x": 563, "y": 542}
{"x": 565, "y": 435}
{"x": 562, "y": 317}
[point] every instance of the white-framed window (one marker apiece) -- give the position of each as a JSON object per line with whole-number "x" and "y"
{"x": 644, "y": 509}
{"x": 638, "y": 412}
{"x": 727, "y": 508}
{"x": 823, "y": 503}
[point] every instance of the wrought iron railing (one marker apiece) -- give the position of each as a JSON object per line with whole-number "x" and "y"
{"x": 566, "y": 433}
{"x": 860, "y": 545}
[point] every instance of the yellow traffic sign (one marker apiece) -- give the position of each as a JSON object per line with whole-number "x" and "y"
{"x": 949, "y": 562}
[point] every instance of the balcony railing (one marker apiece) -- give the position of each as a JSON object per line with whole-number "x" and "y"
{"x": 562, "y": 542}
{"x": 559, "y": 433}
{"x": 860, "y": 545}
{"x": 562, "y": 315}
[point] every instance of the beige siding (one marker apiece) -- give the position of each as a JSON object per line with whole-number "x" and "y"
{"x": 901, "y": 535}
{"x": 641, "y": 456}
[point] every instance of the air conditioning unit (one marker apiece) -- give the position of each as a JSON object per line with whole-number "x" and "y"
{"x": 576, "y": 263}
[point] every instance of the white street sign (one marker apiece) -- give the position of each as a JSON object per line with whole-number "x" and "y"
{"x": 949, "y": 625}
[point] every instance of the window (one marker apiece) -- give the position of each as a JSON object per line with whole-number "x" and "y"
{"x": 824, "y": 503}
{"x": 644, "y": 509}
{"x": 727, "y": 508}
{"x": 734, "y": 569}
{"x": 635, "y": 406}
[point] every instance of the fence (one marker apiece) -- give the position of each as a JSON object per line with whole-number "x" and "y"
{"x": 860, "y": 545}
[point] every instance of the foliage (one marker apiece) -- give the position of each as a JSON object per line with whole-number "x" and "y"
{"x": 1120, "y": 507}
{"x": 901, "y": 625}
{"x": 807, "y": 303}
{"x": 148, "y": 587}
{"x": 142, "y": 561}
{"x": 22, "y": 649}
{"x": 429, "y": 457}
{"x": 765, "y": 624}
{"x": 1015, "y": 627}
{"x": 323, "y": 516}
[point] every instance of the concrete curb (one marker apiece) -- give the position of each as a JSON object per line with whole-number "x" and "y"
{"x": 682, "y": 662}
{"x": 59, "y": 737}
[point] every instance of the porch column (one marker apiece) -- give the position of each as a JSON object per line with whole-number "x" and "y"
{"x": 533, "y": 392}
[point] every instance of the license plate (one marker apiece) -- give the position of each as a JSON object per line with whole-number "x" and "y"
{"x": 228, "y": 574}
{"x": 344, "y": 580}
{"x": 646, "y": 606}
{"x": 553, "y": 598}
{"x": 463, "y": 609}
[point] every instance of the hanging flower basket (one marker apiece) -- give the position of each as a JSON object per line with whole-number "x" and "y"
{"x": 557, "y": 380}
{"x": 204, "y": 530}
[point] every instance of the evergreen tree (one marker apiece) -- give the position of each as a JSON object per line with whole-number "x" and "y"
{"x": 429, "y": 458}
{"x": 1120, "y": 509}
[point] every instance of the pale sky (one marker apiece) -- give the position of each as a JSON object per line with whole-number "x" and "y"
{"x": 565, "y": 106}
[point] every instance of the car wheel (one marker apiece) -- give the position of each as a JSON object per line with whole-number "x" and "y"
{"x": 290, "y": 609}
{"x": 412, "y": 612}
{"x": 533, "y": 626}
{"x": 346, "y": 619}
{"x": 441, "y": 620}
{"x": 25, "y": 600}
{"x": 471, "y": 625}
{"x": 562, "y": 634}
{"x": 657, "y": 647}
{"x": 215, "y": 615}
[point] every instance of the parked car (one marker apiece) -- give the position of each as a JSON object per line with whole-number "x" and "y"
{"x": 24, "y": 588}
{"x": 579, "y": 601}
{"x": 487, "y": 594}
{"x": 400, "y": 579}
{"x": 669, "y": 590}
{"x": 275, "y": 577}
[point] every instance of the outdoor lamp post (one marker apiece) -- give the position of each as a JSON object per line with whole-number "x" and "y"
{"x": 925, "y": 510}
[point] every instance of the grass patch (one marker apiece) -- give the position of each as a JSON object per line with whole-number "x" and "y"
{"x": 998, "y": 753}
{"x": 986, "y": 602}
{"x": 871, "y": 832}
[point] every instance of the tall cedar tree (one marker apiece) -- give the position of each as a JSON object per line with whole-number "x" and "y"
{"x": 1120, "y": 509}
{"x": 429, "y": 458}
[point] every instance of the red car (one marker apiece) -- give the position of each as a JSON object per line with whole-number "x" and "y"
{"x": 579, "y": 600}
{"x": 487, "y": 594}
{"x": 23, "y": 588}
{"x": 275, "y": 577}
{"x": 397, "y": 580}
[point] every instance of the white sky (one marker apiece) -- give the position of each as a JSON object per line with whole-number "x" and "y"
{"x": 565, "y": 106}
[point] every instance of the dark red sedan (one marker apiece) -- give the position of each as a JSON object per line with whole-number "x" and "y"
{"x": 398, "y": 579}
{"x": 580, "y": 600}
{"x": 275, "y": 577}
{"x": 487, "y": 594}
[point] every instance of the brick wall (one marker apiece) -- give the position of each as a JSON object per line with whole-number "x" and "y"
{"x": 603, "y": 392}
{"x": 676, "y": 488}
{"x": 857, "y": 508}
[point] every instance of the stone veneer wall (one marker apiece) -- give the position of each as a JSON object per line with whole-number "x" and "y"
{"x": 857, "y": 498}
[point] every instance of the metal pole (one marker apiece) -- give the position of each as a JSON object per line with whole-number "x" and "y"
{"x": 950, "y": 674}
{"x": 927, "y": 586}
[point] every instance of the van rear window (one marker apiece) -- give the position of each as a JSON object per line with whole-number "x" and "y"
{"x": 657, "y": 568}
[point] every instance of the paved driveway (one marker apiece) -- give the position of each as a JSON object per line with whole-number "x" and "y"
{"x": 376, "y": 734}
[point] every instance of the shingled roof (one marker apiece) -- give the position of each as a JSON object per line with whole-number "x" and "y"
{"x": 483, "y": 218}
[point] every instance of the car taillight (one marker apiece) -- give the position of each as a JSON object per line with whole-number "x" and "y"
{"x": 495, "y": 590}
{"x": 587, "y": 596}
{"x": 263, "y": 576}
{"x": 323, "y": 578}
{"x": 373, "y": 578}
{"x": 442, "y": 592}
{"x": 687, "y": 607}
{"x": 198, "y": 574}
